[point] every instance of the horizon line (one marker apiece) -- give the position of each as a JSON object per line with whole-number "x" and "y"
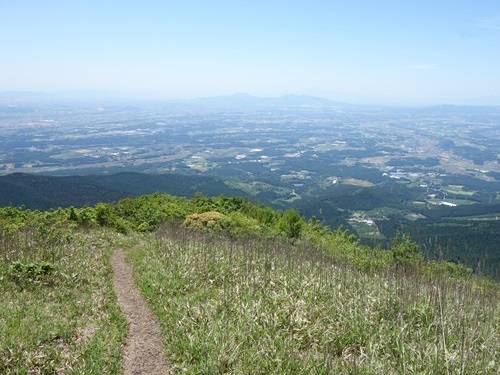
{"x": 114, "y": 95}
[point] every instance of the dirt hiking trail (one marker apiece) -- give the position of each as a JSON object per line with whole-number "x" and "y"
{"x": 144, "y": 351}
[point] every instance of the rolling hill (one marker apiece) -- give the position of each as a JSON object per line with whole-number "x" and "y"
{"x": 45, "y": 192}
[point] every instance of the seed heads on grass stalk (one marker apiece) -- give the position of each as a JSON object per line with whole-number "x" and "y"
{"x": 263, "y": 305}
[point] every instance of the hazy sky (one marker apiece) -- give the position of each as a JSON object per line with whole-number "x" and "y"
{"x": 439, "y": 51}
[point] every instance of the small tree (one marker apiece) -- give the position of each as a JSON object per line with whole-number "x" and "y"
{"x": 291, "y": 224}
{"x": 406, "y": 254}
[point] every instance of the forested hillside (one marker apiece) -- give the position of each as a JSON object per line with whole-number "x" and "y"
{"x": 44, "y": 192}
{"x": 468, "y": 234}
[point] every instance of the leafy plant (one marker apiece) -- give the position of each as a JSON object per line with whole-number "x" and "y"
{"x": 405, "y": 253}
{"x": 34, "y": 271}
{"x": 291, "y": 224}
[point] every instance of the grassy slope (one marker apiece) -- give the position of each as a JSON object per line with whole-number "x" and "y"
{"x": 262, "y": 304}
{"x": 64, "y": 318}
{"x": 262, "y": 307}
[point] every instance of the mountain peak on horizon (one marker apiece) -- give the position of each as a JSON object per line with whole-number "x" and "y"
{"x": 245, "y": 99}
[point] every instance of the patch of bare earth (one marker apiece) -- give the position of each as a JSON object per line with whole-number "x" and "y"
{"x": 144, "y": 351}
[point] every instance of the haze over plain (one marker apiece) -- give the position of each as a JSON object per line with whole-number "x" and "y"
{"x": 387, "y": 52}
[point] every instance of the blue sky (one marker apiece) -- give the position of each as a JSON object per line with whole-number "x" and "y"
{"x": 400, "y": 52}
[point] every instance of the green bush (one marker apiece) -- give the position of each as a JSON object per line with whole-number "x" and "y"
{"x": 405, "y": 253}
{"x": 291, "y": 224}
{"x": 444, "y": 267}
{"x": 210, "y": 220}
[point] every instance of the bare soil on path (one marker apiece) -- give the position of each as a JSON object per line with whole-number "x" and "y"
{"x": 144, "y": 351}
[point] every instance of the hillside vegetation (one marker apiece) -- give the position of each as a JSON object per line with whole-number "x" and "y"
{"x": 237, "y": 288}
{"x": 44, "y": 192}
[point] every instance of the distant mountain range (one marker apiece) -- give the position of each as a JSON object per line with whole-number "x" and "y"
{"x": 235, "y": 100}
{"x": 246, "y": 100}
{"x": 242, "y": 100}
{"x": 45, "y": 192}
